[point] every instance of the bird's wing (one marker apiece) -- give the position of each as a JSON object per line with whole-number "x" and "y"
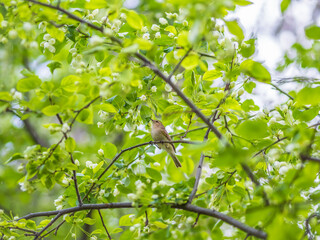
{"x": 168, "y": 137}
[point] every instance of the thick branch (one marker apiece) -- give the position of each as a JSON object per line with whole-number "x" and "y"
{"x": 180, "y": 93}
{"x": 186, "y": 207}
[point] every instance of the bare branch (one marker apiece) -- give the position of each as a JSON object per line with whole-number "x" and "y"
{"x": 105, "y": 228}
{"x": 192, "y": 130}
{"x": 264, "y": 149}
{"x": 185, "y": 134}
{"x": 186, "y": 207}
{"x": 147, "y": 220}
{"x": 310, "y": 158}
{"x": 307, "y": 224}
{"x": 196, "y": 221}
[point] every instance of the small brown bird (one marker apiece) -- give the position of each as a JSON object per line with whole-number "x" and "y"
{"x": 159, "y": 133}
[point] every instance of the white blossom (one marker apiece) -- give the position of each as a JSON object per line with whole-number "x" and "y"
{"x": 153, "y": 89}
{"x": 123, "y": 34}
{"x": 116, "y": 192}
{"x": 76, "y": 162}
{"x": 143, "y": 98}
{"x": 46, "y": 37}
{"x": 284, "y": 169}
{"x": 123, "y": 16}
{"x": 157, "y": 35}
{"x": 179, "y": 76}
{"x": 1, "y": 211}
{"x": 146, "y": 36}
{"x": 101, "y": 152}
{"x": 65, "y": 127}
{"x": 95, "y": 12}
{"x": 23, "y": 186}
{"x": 144, "y": 29}
{"x": 52, "y": 41}
{"x": 155, "y": 196}
{"x": 52, "y": 49}
{"x": 27, "y": 26}
{"x": 95, "y": 40}
{"x": 17, "y": 95}
{"x": 4, "y": 24}
{"x": 93, "y": 238}
{"x": 12, "y": 34}
{"x": 167, "y": 88}
{"x": 171, "y": 35}
{"x": 33, "y": 44}
{"x": 100, "y": 124}
{"x": 163, "y": 21}
{"x": 155, "y": 27}
{"x": 66, "y": 180}
{"x": 185, "y": 23}
{"x": 132, "y": 196}
{"x": 156, "y": 164}
{"x": 88, "y": 164}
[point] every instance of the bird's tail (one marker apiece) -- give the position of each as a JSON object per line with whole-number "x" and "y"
{"x": 175, "y": 160}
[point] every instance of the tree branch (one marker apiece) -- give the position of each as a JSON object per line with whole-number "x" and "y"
{"x": 180, "y": 94}
{"x": 105, "y": 228}
{"x": 310, "y": 158}
{"x": 179, "y": 63}
{"x": 186, "y": 207}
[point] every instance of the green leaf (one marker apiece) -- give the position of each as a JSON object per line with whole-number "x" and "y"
{"x": 230, "y": 157}
{"x": 117, "y": 230}
{"x": 70, "y": 144}
{"x": 306, "y": 115}
{"x": 55, "y": 32}
{"x": 248, "y": 105}
{"x": 110, "y": 150}
{"x": 29, "y": 83}
{"x": 211, "y": 75}
{"x": 171, "y": 113}
{"x": 125, "y": 220}
{"x": 235, "y": 29}
{"x": 70, "y": 83}
{"x": 253, "y": 129}
{"x": 134, "y": 20}
{"x": 107, "y": 107}
{"x": 308, "y": 96}
{"x": 255, "y": 70}
{"x": 15, "y": 157}
{"x": 154, "y": 174}
{"x": 242, "y": 2}
{"x": 249, "y": 86}
{"x": 86, "y": 116}
{"x": 187, "y": 166}
{"x": 89, "y": 221}
{"x": 51, "y": 110}
{"x": 98, "y": 167}
{"x": 312, "y": 32}
{"x": 54, "y": 65}
{"x": 248, "y": 48}
{"x": 96, "y": 4}
{"x": 145, "y": 113}
{"x": 190, "y": 62}
{"x": 5, "y": 96}
{"x": 160, "y": 224}
{"x": 284, "y": 5}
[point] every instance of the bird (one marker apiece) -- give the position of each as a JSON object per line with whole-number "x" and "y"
{"x": 159, "y": 133}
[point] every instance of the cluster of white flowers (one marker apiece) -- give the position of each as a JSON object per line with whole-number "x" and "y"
{"x": 171, "y": 15}
{"x": 153, "y": 89}
{"x": 100, "y": 124}
{"x": 96, "y": 40}
{"x": 59, "y": 202}
{"x": 143, "y": 98}
{"x": 76, "y": 162}
{"x": 92, "y": 15}
{"x": 157, "y": 35}
{"x": 12, "y": 34}
{"x": 140, "y": 188}
{"x": 155, "y": 27}
{"x": 163, "y": 21}
{"x": 91, "y": 165}
{"x": 103, "y": 115}
{"x": 66, "y": 180}
{"x": 15, "y": 94}
{"x": 48, "y": 43}
{"x": 146, "y": 36}
{"x": 115, "y": 191}
{"x": 116, "y": 25}
{"x": 65, "y": 127}
{"x": 4, "y": 24}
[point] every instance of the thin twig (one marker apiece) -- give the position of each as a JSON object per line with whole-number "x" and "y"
{"x": 307, "y": 224}
{"x": 192, "y": 130}
{"x": 250, "y": 174}
{"x": 283, "y": 92}
{"x": 105, "y": 228}
{"x": 186, "y": 207}
{"x": 264, "y": 149}
{"x": 179, "y": 63}
{"x": 58, "y": 215}
{"x": 147, "y": 220}
{"x": 186, "y": 132}
{"x": 196, "y": 221}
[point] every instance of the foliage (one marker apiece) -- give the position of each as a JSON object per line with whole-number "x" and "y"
{"x": 81, "y": 81}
